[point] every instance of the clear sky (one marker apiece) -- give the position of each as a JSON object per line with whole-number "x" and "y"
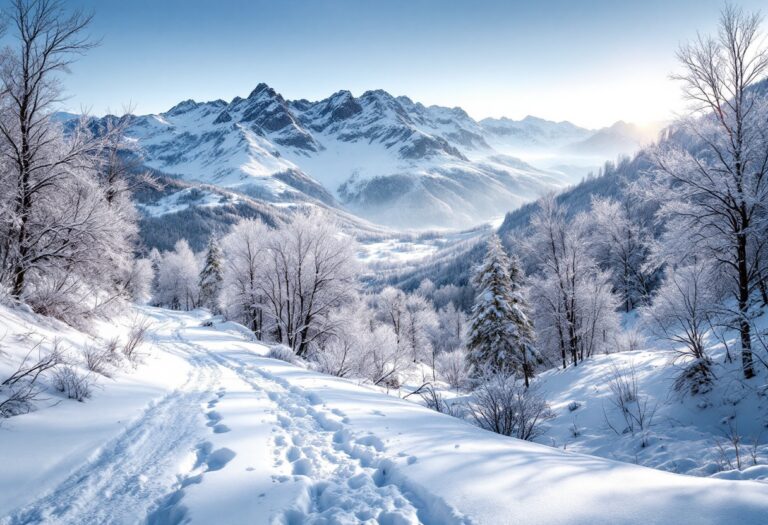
{"x": 590, "y": 62}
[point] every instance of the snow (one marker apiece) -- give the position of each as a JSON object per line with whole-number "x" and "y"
{"x": 185, "y": 198}
{"x": 685, "y": 430}
{"x": 396, "y": 251}
{"x": 415, "y": 154}
{"x": 209, "y": 430}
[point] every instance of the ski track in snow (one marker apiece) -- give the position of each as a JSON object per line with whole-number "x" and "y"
{"x": 342, "y": 477}
{"x": 137, "y": 466}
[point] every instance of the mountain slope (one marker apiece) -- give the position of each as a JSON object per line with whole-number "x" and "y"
{"x": 387, "y": 159}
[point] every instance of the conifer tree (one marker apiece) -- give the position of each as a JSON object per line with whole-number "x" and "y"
{"x": 524, "y": 340}
{"x": 501, "y": 335}
{"x": 211, "y": 276}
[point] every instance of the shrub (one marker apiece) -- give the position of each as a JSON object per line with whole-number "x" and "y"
{"x": 136, "y": 336}
{"x": 630, "y": 340}
{"x": 633, "y": 407}
{"x": 503, "y": 405}
{"x": 282, "y": 353}
{"x": 435, "y": 400}
{"x": 102, "y": 360}
{"x": 454, "y": 368}
{"x": 71, "y": 383}
{"x": 20, "y": 389}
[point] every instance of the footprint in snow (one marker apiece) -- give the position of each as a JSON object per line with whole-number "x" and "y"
{"x": 219, "y": 458}
{"x": 220, "y": 429}
{"x": 213, "y": 418}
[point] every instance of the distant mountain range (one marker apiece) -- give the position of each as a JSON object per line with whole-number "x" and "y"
{"x": 387, "y": 159}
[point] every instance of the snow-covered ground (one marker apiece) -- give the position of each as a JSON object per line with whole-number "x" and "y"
{"x": 209, "y": 430}
{"x": 685, "y": 434}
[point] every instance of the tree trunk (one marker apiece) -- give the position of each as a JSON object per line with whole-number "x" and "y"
{"x": 23, "y": 202}
{"x": 763, "y": 288}
{"x": 744, "y": 327}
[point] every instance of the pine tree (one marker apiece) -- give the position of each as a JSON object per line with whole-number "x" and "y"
{"x": 501, "y": 335}
{"x": 211, "y": 276}
{"x": 519, "y": 308}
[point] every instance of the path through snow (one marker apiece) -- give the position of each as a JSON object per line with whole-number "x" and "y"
{"x": 246, "y": 439}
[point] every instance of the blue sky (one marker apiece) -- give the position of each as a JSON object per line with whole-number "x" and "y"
{"x": 591, "y": 62}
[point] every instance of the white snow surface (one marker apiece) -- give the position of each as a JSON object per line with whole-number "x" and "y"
{"x": 209, "y": 430}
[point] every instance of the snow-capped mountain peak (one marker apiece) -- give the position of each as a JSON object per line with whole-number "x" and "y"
{"x": 389, "y": 159}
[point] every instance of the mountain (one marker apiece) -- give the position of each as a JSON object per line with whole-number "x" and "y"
{"x": 390, "y": 160}
{"x": 533, "y": 132}
{"x": 386, "y": 159}
{"x": 564, "y": 147}
{"x": 620, "y": 138}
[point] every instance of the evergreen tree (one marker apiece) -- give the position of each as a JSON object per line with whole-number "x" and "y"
{"x": 211, "y": 276}
{"x": 524, "y": 336}
{"x": 500, "y": 336}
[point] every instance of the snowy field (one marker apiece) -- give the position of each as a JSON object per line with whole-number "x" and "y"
{"x": 208, "y": 430}
{"x": 685, "y": 434}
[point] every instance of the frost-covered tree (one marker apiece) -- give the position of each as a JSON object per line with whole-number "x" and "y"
{"x": 500, "y": 336}
{"x": 65, "y": 245}
{"x": 451, "y": 332}
{"x": 139, "y": 282}
{"x": 211, "y": 276}
{"x": 310, "y": 270}
{"x": 714, "y": 187}
{"x": 177, "y": 278}
{"x": 621, "y": 242}
{"x": 360, "y": 346}
{"x": 390, "y": 308}
{"x": 684, "y": 309}
{"x": 527, "y": 353}
{"x": 574, "y": 307}
{"x": 244, "y": 252}
{"x": 419, "y": 322}
{"x": 453, "y": 367}
{"x": 36, "y": 156}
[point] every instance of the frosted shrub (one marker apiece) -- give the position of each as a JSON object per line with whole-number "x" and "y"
{"x": 453, "y": 368}
{"x": 633, "y": 408}
{"x": 682, "y": 313}
{"x": 71, "y": 383}
{"x": 503, "y": 405}
{"x": 136, "y": 336}
{"x": 337, "y": 358}
{"x": 282, "y": 353}
{"x": 19, "y": 391}
{"x": 630, "y": 340}
{"x": 434, "y": 400}
{"x": 101, "y": 360}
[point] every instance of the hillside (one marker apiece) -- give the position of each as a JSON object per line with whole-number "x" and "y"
{"x": 189, "y": 446}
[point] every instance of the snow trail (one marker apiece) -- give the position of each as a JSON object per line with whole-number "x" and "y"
{"x": 345, "y": 478}
{"x": 137, "y": 466}
{"x": 248, "y": 439}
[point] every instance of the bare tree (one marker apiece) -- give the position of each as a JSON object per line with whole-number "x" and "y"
{"x": 309, "y": 271}
{"x": 48, "y": 39}
{"x": 620, "y": 241}
{"x": 683, "y": 311}
{"x": 574, "y": 306}
{"x": 66, "y": 232}
{"x": 244, "y": 264}
{"x": 720, "y": 178}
